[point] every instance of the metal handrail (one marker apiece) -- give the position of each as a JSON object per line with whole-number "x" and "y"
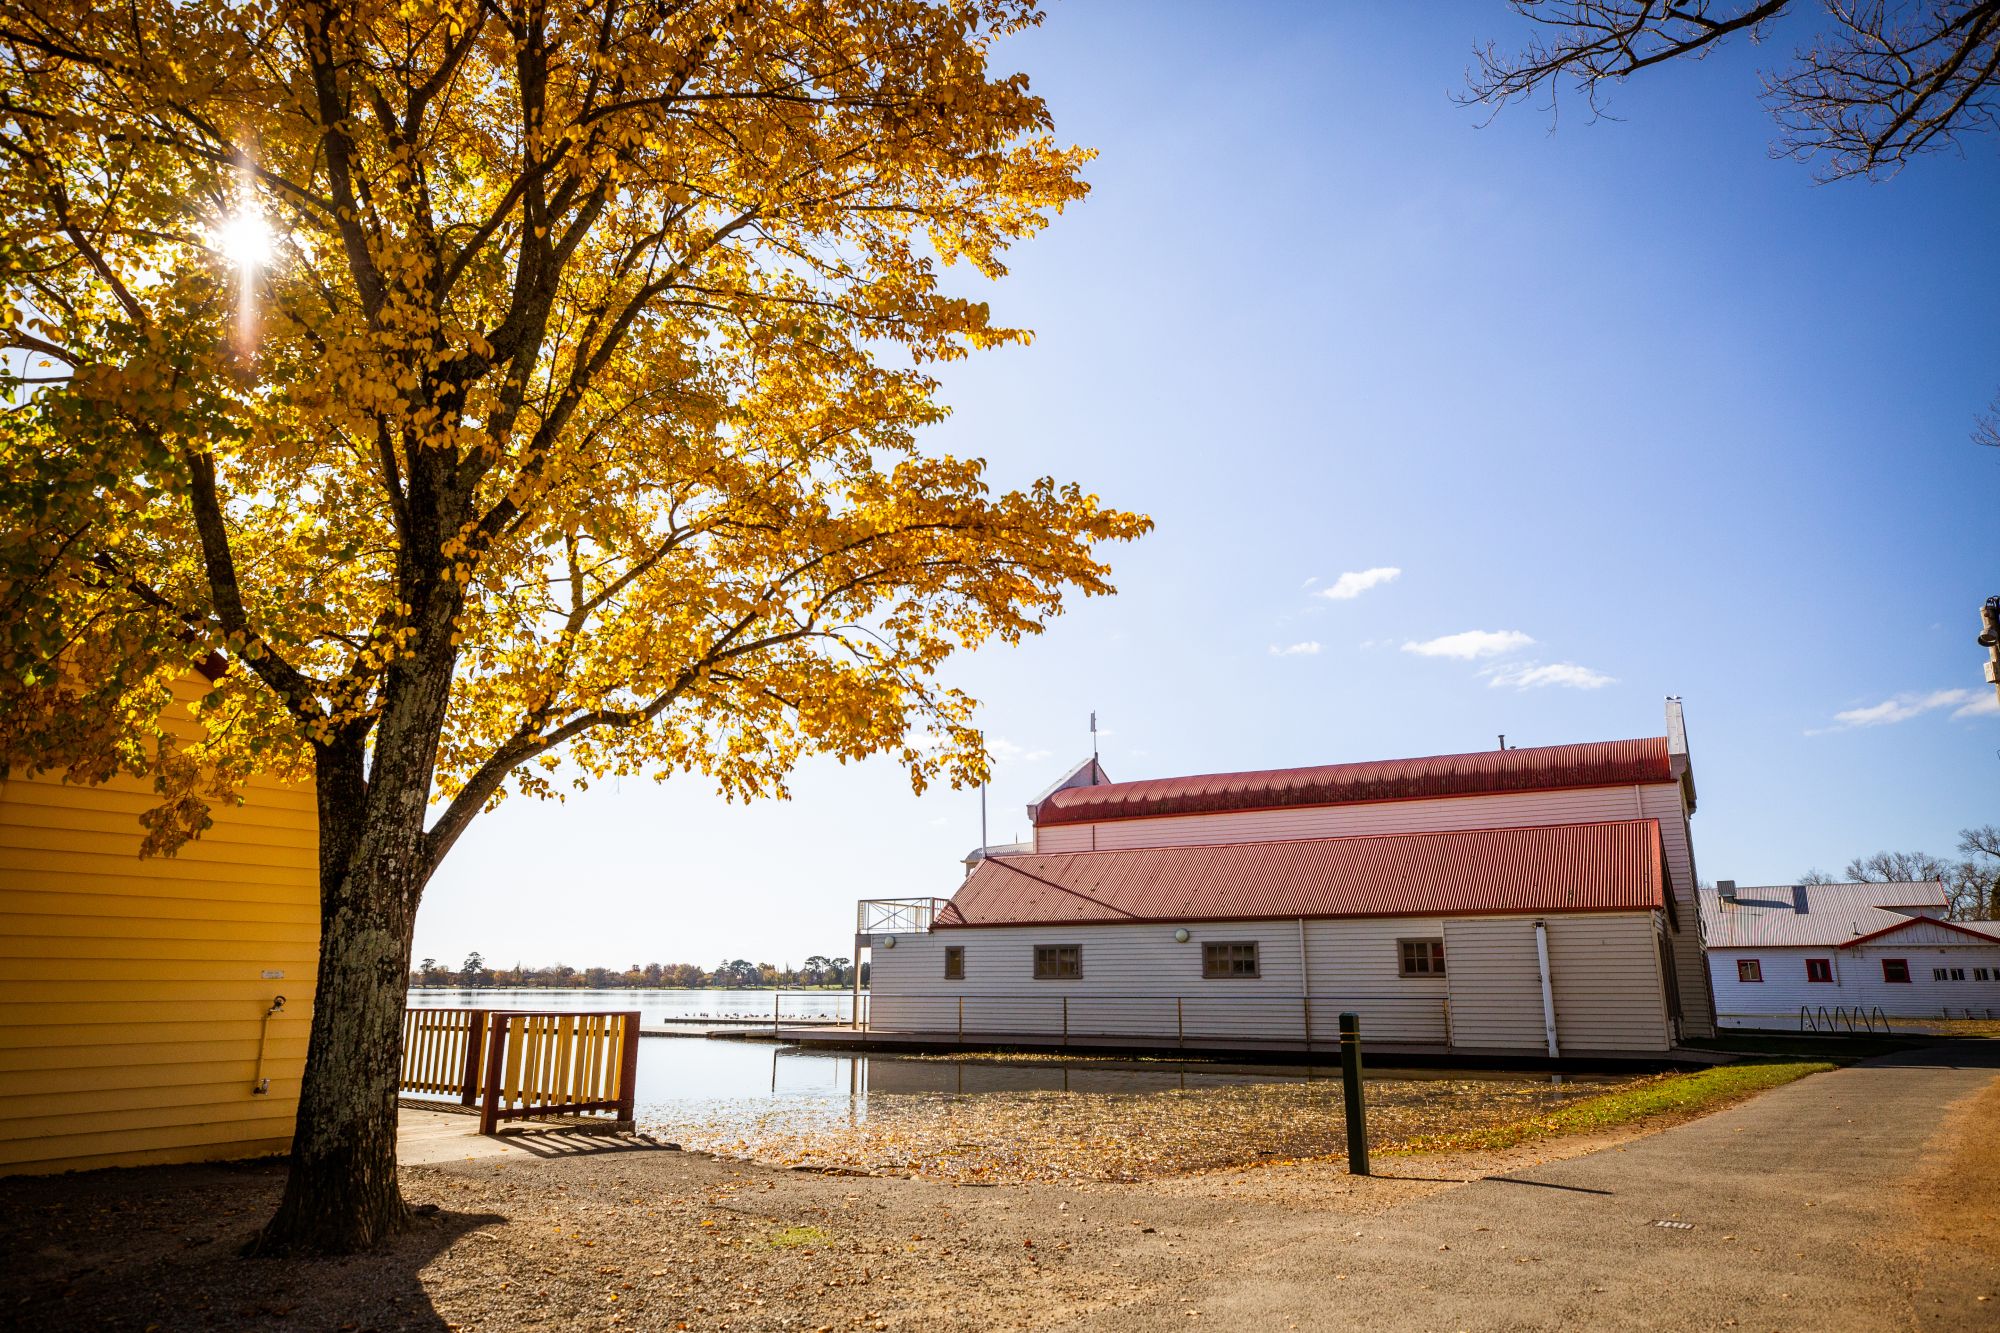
{"x": 888, "y": 916}
{"x": 1299, "y": 1018}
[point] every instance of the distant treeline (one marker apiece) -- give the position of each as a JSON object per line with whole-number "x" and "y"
{"x": 815, "y": 971}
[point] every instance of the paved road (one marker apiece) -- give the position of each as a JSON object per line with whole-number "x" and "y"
{"x": 1797, "y": 1213}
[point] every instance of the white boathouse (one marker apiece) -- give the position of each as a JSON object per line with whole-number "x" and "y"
{"x": 1533, "y": 900}
{"x": 1778, "y": 949}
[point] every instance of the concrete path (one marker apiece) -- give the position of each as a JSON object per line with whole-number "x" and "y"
{"x": 430, "y": 1138}
{"x": 1794, "y": 1210}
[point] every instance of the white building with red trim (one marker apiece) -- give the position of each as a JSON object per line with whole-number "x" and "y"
{"x": 1774, "y": 950}
{"x": 1534, "y": 900}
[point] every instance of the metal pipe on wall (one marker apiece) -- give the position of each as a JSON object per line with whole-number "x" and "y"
{"x": 1548, "y": 990}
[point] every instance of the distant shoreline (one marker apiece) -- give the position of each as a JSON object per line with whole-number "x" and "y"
{"x": 517, "y": 985}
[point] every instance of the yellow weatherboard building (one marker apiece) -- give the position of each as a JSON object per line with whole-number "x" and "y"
{"x": 139, "y": 999}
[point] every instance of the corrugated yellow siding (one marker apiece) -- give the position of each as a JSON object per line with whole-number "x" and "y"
{"x": 132, "y": 993}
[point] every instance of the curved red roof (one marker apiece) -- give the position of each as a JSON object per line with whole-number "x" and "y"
{"x": 1560, "y": 868}
{"x": 1482, "y": 773}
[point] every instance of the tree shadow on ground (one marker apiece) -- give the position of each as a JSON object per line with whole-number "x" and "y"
{"x": 159, "y": 1248}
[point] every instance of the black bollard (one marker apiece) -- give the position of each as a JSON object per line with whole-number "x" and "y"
{"x": 1350, "y": 1088}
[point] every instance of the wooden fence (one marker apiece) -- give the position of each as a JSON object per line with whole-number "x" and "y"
{"x": 519, "y": 1064}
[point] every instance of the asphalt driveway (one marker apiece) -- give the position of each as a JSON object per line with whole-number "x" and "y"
{"x": 1791, "y": 1211}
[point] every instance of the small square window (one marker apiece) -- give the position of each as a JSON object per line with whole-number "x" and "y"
{"x": 1819, "y": 969}
{"x": 954, "y": 962}
{"x": 1422, "y": 958}
{"x": 1980, "y": 974}
{"x": 1896, "y": 970}
{"x": 1228, "y": 960}
{"x": 1958, "y": 974}
{"x": 1749, "y": 969}
{"x": 1058, "y": 962}
{"x": 1939, "y": 974}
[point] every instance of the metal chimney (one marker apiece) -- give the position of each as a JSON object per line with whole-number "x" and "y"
{"x": 1799, "y": 899}
{"x": 1727, "y": 888}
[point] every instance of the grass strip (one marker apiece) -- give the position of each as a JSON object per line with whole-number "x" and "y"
{"x": 1678, "y": 1096}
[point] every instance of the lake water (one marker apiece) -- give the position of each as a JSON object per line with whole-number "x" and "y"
{"x": 684, "y": 1077}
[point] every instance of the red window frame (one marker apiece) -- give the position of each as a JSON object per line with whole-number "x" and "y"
{"x": 1819, "y": 969}
{"x": 1749, "y": 969}
{"x": 1899, "y": 965}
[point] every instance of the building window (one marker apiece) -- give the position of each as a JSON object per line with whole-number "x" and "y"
{"x": 1980, "y": 974}
{"x": 1896, "y": 969}
{"x": 1819, "y": 969}
{"x": 1058, "y": 962}
{"x": 1228, "y": 960}
{"x": 954, "y": 962}
{"x": 1422, "y": 958}
{"x": 1749, "y": 969}
{"x": 1939, "y": 974}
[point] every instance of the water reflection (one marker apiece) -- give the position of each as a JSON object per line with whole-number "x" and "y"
{"x": 675, "y": 1072}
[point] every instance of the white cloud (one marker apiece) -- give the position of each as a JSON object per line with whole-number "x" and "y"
{"x": 1309, "y": 648}
{"x": 1005, "y": 751}
{"x": 1535, "y": 675}
{"x": 1471, "y": 644}
{"x": 1355, "y": 582}
{"x": 1903, "y": 707}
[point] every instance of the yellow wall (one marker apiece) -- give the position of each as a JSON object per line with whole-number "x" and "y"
{"x": 132, "y": 994}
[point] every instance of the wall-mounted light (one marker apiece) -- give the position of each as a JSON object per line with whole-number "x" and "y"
{"x": 888, "y": 941}
{"x": 1181, "y": 936}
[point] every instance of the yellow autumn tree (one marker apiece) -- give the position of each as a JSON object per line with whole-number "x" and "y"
{"x": 494, "y": 393}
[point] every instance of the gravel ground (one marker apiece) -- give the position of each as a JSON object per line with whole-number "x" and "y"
{"x": 650, "y": 1239}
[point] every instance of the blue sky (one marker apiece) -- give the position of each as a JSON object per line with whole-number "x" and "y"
{"x": 1635, "y": 391}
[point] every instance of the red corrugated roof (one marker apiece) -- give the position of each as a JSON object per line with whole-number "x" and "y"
{"x": 1540, "y": 768}
{"x": 1562, "y": 868}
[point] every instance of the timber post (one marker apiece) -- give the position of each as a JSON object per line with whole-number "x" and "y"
{"x": 1350, "y": 1089}
{"x": 475, "y": 1043}
{"x": 496, "y": 1051}
{"x": 628, "y": 1068}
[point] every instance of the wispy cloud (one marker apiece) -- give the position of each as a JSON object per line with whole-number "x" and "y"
{"x": 1309, "y": 648}
{"x": 1903, "y": 707}
{"x": 1355, "y": 582}
{"x": 1471, "y": 644}
{"x": 1537, "y": 675}
{"x": 1006, "y": 752}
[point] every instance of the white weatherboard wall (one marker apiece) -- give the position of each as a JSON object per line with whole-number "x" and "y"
{"x": 1138, "y": 981}
{"x": 1590, "y": 805}
{"x": 1857, "y": 974}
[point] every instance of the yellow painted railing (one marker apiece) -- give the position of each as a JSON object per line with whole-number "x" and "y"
{"x": 516, "y": 1064}
{"x": 442, "y": 1051}
{"x": 559, "y": 1064}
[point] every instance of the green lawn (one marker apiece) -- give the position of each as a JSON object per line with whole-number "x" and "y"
{"x": 1677, "y": 1096}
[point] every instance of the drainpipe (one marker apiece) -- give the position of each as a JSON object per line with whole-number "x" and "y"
{"x": 1305, "y": 983}
{"x": 1548, "y": 992}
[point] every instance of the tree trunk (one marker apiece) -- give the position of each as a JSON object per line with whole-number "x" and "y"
{"x": 341, "y": 1194}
